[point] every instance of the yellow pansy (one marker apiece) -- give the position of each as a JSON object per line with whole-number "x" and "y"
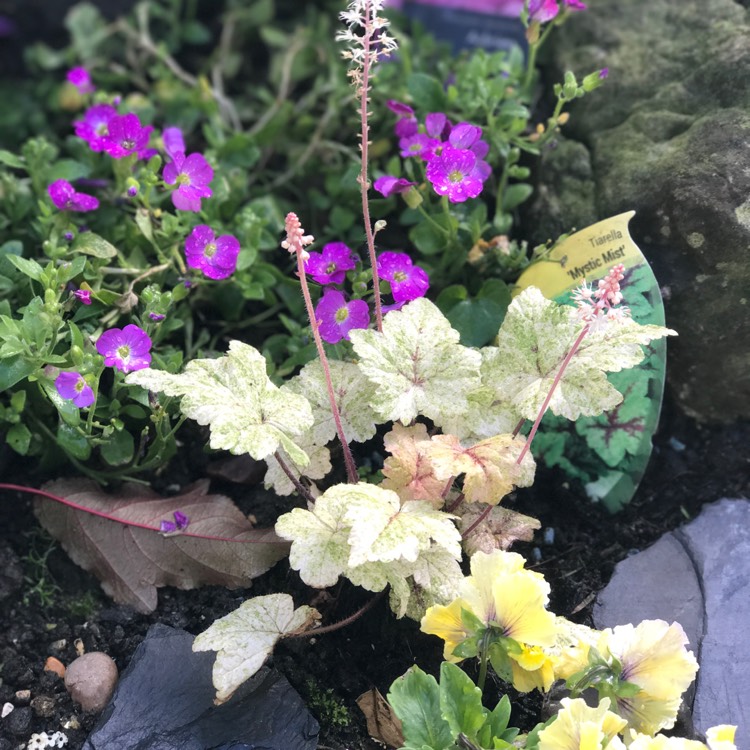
{"x": 660, "y": 742}
{"x": 532, "y": 668}
{"x": 445, "y": 622}
{"x": 571, "y": 651}
{"x": 580, "y": 727}
{"x": 721, "y": 737}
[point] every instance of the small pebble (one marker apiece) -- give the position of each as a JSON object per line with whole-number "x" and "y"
{"x": 549, "y": 535}
{"x": 23, "y": 697}
{"x": 677, "y": 445}
{"x": 6, "y": 709}
{"x": 19, "y": 721}
{"x": 90, "y": 680}
{"x": 54, "y": 665}
{"x": 43, "y": 706}
{"x": 58, "y": 645}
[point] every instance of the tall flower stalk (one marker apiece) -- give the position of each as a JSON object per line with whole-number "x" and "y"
{"x": 366, "y": 40}
{"x": 295, "y": 242}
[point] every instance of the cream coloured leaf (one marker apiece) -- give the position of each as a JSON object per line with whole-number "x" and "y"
{"x": 417, "y": 365}
{"x": 490, "y": 466}
{"x": 318, "y": 467}
{"x": 320, "y": 550}
{"x": 435, "y": 580}
{"x": 383, "y": 530}
{"x": 245, "y": 638}
{"x": 353, "y": 393}
{"x": 533, "y": 342}
{"x": 408, "y": 470}
{"x": 245, "y": 411}
{"x": 498, "y": 530}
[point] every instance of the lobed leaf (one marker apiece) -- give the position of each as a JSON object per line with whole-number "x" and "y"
{"x": 417, "y": 365}
{"x": 246, "y": 412}
{"x": 317, "y": 468}
{"x": 246, "y": 637}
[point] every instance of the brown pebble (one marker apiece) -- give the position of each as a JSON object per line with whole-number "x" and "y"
{"x": 90, "y": 680}
{"x": 43, "y": 706}
{"x": 54, "y": 665}
{"x": 22, "y": 697}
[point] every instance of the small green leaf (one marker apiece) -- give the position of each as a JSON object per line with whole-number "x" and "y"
{"x": 92, "y": 244}
{"x": 119, "y": 450}
{"x": 19, "y": 438}
{"x": 415, "y": 699}
{"x": 460, "y": 701}
{"x": 14, "y": 369}
{"x": 27, "y": 267}
{"x": 72, "y": 442}
{"x": 11, "y": 160}
{"x": 515, "y": 195}
{"x": 430, "y": 239}
{"x": 427, "y": 92}
{"x": 497, "y": 721}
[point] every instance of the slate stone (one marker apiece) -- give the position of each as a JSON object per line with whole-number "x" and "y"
{"x": 698, "y": 575}
{"x": 666, "y": 135}
{"x": 164, "y": 701}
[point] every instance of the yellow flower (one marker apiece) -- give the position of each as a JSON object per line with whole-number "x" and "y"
{"x": 532, "y": 668}
{"x": 500, "y": 593}
{"x": 580, "y": 727}
{"x": 654, "y": 656}
{"x": 660, "y": 742}
{"x": 571, "y": 651}
{"x": 721, "y": 737}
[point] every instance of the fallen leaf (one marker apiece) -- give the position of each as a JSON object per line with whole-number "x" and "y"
{"x": 132, "y": 559}
{"x": 54, "y": 665}
{"x": 382, "y": 724}
{"x": 499, "y": 530}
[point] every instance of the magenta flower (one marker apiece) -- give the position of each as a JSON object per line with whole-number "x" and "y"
{"x": 457, "y": 173}
{"x": 180, "y": 523}
{"x": 388, "y": 185}
{"x": 336, "y": 317}
{"x": 156, "y": 317}
{"x": 420, "y": 145}
{"x": 603, "y": 73}
{"x": 406, "y": 124}
{"x": 72, "y": 386}
{"x": 575, "y": 4}
{"x": 83, "y": 296}
{"x": 126, "y": 136}
{"x": 174, "y": 142}
{"x": 192, "y": 175}
{"x": 94, "y": 128}
{"x": 543, "y": 10}
{"x": 407, "y": 280}
{"x": 81, "y": 79}
{"x": 128, "y": 349}
{"x": 331, "y": 265}
{"x": 65, "y": 197}
{"x": 215, "y": 256}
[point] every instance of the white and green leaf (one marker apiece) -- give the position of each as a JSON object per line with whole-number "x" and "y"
{"x": 317, "y": 468}
{"x": 233, "y": 395}
{"x": 246, "y": 637}
{"x": 417, "y": 365}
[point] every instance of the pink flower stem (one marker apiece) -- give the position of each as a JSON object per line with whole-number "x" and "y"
{"x": 535, "y": 427}
{"x": 127, "y": 522}
{"x": 351, "y": 467}
{"x": 301, "y": 489}
{"x": 369, "y": 604}
{"x": 364, "y": 148}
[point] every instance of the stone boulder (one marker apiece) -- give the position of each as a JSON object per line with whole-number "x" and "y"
{"x": 668, "y": 135}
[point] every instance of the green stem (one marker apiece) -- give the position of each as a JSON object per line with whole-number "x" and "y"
{"x": 483, "y": 660}
{"x": 531, "y": 62}
{"x": 92, "y": 408}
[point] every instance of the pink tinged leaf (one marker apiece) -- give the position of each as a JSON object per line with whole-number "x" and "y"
{"x": 500, "y": 529}
{"x": 132, "y": 559}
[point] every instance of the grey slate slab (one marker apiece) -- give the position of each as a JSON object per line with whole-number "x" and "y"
{"x": 164, "y": 701}
{"x": 698, "y": 575}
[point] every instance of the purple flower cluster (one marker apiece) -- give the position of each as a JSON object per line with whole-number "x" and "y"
{"x": 454, "y": 154}
{"x": 65, "y": 197}
{"x": 180, "y": 523}
{"x": 192, "y": 174}
{"x": 215, "y": 256}
{"x": 81, "y": 79}
{"x": 545, "y": 10}
{"x": 117, "y": 135}
{"x": 337, "y": 315}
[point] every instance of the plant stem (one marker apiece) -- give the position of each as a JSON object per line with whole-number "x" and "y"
{"x": 341, "y": 623}
{"x": 364, "y": 148}
{"x": 483, "y": 659}
{"x": 301, "y": 489}
{"x": 533, "y": 50}
{"x": 351, "y": 467}
{"x": 539, "y": 416}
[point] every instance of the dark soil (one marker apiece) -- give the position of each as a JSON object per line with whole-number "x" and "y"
{"x": 691, "y": 465}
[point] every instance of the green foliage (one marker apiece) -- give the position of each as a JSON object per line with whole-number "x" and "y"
{"x": 441, "y": 716}
{"x": 326, "y": 705}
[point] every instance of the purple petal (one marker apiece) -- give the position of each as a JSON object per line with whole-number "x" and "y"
{"x": 181, "y": 520}
{"x": 83, "y": 202}
{"x": 174, "y": 142}
{"x": 167, "y": 527}
{"x": 388, "y": 185}
{"x": 62, "y": 194}
{"x": 198, "y": 170}
{"x": 435, "y": 123}
{"x": 465, "y": 135}
{"x": 401, "y": 109}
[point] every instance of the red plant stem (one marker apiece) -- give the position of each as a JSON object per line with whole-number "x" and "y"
{"x": 301, "y": 489}
{"x": 109, "y": 517}
{"x": 341, "y": 623}
{"x": 351, "y": 467}
{"x": 539, "y": 416}
{"x": 364, "y": 151}
{"x": 455, "y": 503}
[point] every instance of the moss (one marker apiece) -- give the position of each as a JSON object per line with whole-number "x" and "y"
{"x": 327, "y": 706}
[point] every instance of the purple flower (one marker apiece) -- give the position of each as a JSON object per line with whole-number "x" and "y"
{"x": 128, "y": 349}
{"x": 65, "y": 197}
{"x": 437, "y": 125}
{"x": 420, "y": 145}
{"x": 407, "y": 123}
{"x": 72, "y": 386}
{"x": 603, "y": 73}
{"x": 575, "y": 4}
{"x": 81, "y": 79}
{"x": 388, "y": 185}
{"x": 83, "y": 296}
{"x": 399, "y": 108}
{"x": 174, "y": 142}
{"x": 336, "y": 317}
{"x": 192, "y": 175}
{"x": 180, "y": 523}
{"x": 215, "y": 256}
{"x": 543, "y": 10}
{"x": 458, "y": 174}
{"x": 126, "y": 136}
{"x": 407, "y": 280}
{"x": 94, "y": 128}
{"x": 156, "y": 317}
{"x": 331, "y": 265}
{"x": 132, "y": 191}
{"x": 68, "y": 236}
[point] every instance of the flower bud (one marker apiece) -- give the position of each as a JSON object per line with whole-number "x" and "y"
{"x": 594, "y": 80}
{"x": 570, "y": 85}
{"x": 76, "y": 354}
{"x": 413, "y": 198}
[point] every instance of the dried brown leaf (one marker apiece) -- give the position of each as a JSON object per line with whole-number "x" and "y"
{"x": 499, "y": 530}
{"x": 382, "y": 724}
{"x": 220, "y": 546}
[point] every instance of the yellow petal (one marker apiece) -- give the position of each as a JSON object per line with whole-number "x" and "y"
{"x": 580, "y": 727}
{"x": 445, "y": 622}
{"x": 721, "y": 737}
{"x": 520, "y": 600}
